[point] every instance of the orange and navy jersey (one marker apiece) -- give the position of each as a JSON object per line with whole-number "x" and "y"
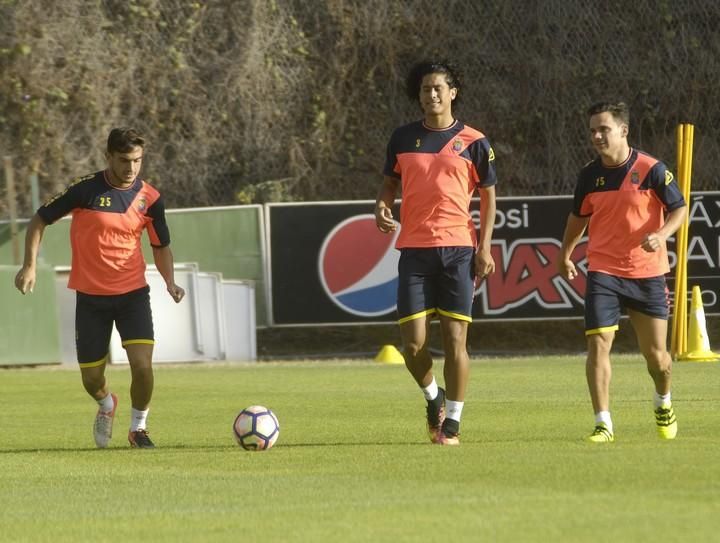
{"x": 439, "y": 171}
{"x": 107, "y": 223}
{"x": 625, "y": 203}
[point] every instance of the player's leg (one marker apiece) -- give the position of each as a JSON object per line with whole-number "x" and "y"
{"x": 133, "y": 319}
{"x": 456, "y": 372}
{"x": 418, "y": 360}
{"x": 416, "y": 306}
{"x": 648, "y": 308}
{"x": 598, "y": 369}
{"x": 651, "y": 334}
{"x": 455, "y": 295}
{"x": 415, "y": 335}
{"x": 93, "y": 326}
{"x": 602, "y": 314}
{"x": 457, "y": 361}
{"x": 142, "y": 377}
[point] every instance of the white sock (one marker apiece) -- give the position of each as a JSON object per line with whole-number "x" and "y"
{"x": 431, "y": 391}
{"x": 661, "y": 399}
{"x": 604, "y": 417}
{"x": 453, "y": 410}
{"x": 138, "y": 419}
{"x": 106, "y": 404}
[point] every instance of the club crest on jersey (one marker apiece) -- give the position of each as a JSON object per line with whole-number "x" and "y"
{"x": 635, "y": 178}
{"x": 668, "y": 177}
{"x": 417, "y": 143}
{"x": 457, "y": 145}
{"x": 142, "y": 204}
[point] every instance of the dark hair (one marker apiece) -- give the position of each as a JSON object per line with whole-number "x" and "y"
{"x": 619, "y": 110}
{"x": 413, "y": 82}
{"x": 123, "y": 139}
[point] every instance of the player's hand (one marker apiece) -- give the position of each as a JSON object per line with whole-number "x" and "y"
{"x": 25, "y": 280}
{"x": 484, "y": 265}
{"x": 652, "y": 243}
{"x": 384, "y": 220}
{"x": 567, "y": 269}
{"x": 177, "y": 293}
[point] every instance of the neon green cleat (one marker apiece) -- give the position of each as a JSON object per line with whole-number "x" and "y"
{"x": 601, "y": 434}
{"x": 666, "y": 422}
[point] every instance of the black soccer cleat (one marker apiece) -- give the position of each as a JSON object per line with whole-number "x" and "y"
{"x": 139, "y": 439}
{"x": 435, "y": 412}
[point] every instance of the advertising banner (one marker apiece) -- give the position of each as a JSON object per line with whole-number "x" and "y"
{"x": 330, "y": 265}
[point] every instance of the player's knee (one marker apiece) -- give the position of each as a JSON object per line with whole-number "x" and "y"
{"x": 411, "y": 349}
{"x": 141, "y": 369}
{"x": 659, "y": 362}
{"x": 93, "y": 382}
{"x": 599, "y": 343}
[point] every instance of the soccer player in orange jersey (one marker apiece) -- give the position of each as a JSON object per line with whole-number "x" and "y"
{"x": 630, "y": 204}
{"x": 110, "y": 209}
{"x": 439, "y": 163}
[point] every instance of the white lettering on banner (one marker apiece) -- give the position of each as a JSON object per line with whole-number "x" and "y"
{"x": 700, "y": 213}
{"x": 526, "y": 271}
{"x": 704, "y": 255}
{"x": 513, "y": 218}
{"x": 709, "y": 298}
{"x": 697, "y": 250}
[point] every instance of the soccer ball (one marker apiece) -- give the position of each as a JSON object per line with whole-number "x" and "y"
{"x": 256, "y": 428}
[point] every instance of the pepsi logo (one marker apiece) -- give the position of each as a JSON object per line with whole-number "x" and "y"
{"x": 357, "y": 266}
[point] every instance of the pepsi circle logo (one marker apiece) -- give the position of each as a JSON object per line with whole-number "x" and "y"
{"x": 358, "y": 267}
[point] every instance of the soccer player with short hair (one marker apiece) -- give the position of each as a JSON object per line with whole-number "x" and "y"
{"x": 630, "y": 204}
{"x": 438, "y": 163}
{"x": 110, "y": 209}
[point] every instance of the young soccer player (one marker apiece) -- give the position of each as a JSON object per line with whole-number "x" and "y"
{"x": 110, "y": 209}
{"x": 439, "y": 163}
{"x": 630, "y": 204}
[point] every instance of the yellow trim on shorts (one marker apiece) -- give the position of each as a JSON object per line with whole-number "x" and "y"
{"x": 138, "y": 342}
{"x": 456, "y": 316}
{"x": 416, "y": 316}
{"x": 95, "y": 364}
{"x": 602, "y": 330}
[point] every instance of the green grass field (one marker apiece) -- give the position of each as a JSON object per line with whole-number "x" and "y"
{"x": 353, "y": 462}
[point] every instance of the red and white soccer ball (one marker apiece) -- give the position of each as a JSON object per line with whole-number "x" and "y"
{"x": 256, "y": 428}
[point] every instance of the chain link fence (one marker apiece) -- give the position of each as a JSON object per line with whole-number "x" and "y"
{"x": 268, "y": 100}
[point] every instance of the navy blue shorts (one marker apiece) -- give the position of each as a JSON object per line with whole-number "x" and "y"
{"x": 436, "y": 280}
{"x": 94, "y": 318}
{"x": 607, "y": 295}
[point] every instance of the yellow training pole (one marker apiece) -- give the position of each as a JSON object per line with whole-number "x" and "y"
{"x": 676, "y": 331}
{"x": 684, "y": 180}
{"x": 689, "y": 141}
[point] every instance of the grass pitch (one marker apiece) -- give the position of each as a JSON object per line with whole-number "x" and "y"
{"x": 353, "y": 462}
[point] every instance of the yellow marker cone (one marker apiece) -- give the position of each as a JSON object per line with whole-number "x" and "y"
{"x": 697, "y": 339}
{"x": 389, "y": 355}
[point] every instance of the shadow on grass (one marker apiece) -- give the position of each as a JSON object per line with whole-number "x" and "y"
{"x": 192, "y": 448}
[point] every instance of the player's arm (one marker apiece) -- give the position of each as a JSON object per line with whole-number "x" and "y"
{"x": 383, "y": 204}
{"x": 159, "y": 235}
{"x": 574, "y": 230}
{"x": 667, "y": 189}
{"x": 656, "y": 240}
{"x": 165, "y": 264}
{"x": 484, "y": 262}
{"x": 58, "y": 206}
{"x": 25, "y": 278}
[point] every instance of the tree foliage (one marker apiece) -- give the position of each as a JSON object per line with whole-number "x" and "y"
{"x": 265, "y": 100}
